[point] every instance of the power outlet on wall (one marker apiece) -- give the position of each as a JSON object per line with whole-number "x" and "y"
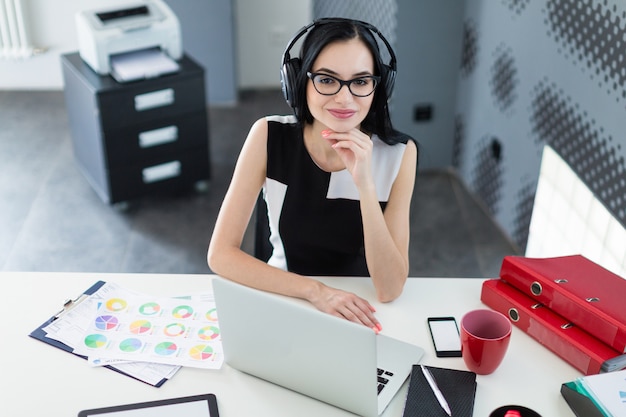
{"x": 422, "y": 112}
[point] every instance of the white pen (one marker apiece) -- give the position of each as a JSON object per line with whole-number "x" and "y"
{"x": 433, "y": 385}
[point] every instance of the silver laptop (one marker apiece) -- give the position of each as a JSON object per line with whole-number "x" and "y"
{"x": 288, "y": 342}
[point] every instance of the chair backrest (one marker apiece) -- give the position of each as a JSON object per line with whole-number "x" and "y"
{"x": 262, "y": 245}
{"x": 568, "y": 219}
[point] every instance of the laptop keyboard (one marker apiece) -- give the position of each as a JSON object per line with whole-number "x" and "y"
{"x": 383, "y": 378}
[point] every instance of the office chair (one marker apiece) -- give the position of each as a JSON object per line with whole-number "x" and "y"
{"x": 262, "y": 246}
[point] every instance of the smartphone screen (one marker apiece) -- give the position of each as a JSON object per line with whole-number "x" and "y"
{"x": 445, "y": 335}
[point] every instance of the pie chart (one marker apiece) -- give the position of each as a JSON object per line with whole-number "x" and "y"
{"x": 165, "y": 348}
{"x": 106, "y": 322}
{"x": 140, "y": 326}
{"x": 95, "y": 341}
{"x": 130, "y": 345}
{"x": 201, "y": 352}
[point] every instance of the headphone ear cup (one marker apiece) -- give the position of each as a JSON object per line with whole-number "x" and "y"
{"x": 288, "y": 76}
{"x": 389, "y": 78}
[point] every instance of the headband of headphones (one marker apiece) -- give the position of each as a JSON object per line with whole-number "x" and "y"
{"x": 291, "y": 66}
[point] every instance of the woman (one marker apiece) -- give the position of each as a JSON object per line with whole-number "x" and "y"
{"x": 337, "y": 179}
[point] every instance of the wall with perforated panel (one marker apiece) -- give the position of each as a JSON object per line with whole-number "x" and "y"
{"x": 535, "y": 73}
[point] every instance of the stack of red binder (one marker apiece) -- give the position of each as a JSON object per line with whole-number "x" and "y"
{"x": 569, "y": 304}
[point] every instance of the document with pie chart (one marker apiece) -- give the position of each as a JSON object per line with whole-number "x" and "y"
{"x": 125, "y": 326}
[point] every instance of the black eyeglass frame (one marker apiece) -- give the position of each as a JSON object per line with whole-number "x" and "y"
{"x": 376, "y": 79}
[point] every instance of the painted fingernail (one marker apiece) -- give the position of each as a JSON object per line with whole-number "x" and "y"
{"x": 325, "y": 133}
{"x": 379, "y": 326}
{"x": 375, "y": 328}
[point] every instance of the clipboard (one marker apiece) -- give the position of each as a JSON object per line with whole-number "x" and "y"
{"x": 204, "y": 405}
{"x": 40, "y": 334}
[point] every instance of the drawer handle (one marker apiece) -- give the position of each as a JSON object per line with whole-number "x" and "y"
{"x": 161, "y": 172}
{"x": 154, "y": 99}
{"x": 158, "y": 136}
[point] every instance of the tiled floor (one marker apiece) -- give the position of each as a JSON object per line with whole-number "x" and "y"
{"x": 51, "y": 220}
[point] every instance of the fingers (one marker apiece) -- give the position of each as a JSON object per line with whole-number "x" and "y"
{"x": 353, "y": 139}
{"x": 355, "y": 150}
{"x": 361, "y": 313}
{"x": 351, "y": 307}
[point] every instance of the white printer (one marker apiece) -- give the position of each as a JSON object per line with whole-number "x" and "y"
{"x": 138, "y": 27}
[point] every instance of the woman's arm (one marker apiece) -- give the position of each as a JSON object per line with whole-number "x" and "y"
{"x": 387, "y": 235}
{"x": 226, "y": 258}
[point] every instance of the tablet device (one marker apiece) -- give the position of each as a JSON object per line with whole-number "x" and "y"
{"x": 194, "y": 406}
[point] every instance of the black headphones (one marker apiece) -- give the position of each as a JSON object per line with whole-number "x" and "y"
{"x": 291, "y": 66}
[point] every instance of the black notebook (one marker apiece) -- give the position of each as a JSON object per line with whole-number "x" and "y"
{"x": 458, "y": 388}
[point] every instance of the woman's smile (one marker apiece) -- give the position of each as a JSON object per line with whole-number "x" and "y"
{"x": 342, "y": 113}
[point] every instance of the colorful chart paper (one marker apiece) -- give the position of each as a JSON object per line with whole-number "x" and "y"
{"x": 127, "y": 327}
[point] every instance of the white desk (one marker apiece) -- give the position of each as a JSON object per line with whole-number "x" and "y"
{"x": 38, "y": 379}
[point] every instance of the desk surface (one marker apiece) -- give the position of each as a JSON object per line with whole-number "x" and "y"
{"x": 38, "y": 377}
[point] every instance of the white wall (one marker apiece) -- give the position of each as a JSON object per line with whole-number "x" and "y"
{"x": 51, "y": 28}
{"x": 263, "y": 31}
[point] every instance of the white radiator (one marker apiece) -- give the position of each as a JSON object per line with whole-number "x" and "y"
{"x": 14, "y": 41}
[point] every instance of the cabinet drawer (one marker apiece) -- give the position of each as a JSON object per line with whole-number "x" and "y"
{"x": 162, "y": 174}
{"x": 151, "y": 100}
{"x": 147, "y": 141}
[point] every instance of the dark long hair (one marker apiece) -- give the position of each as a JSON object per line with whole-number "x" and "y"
{"x": 377, "y": 120}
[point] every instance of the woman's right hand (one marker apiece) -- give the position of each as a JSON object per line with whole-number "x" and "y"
{"x": 346, "y": 305}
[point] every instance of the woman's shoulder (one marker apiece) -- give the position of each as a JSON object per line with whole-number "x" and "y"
{"x": 282, "y": 127}
{"x": 287, "y": 120}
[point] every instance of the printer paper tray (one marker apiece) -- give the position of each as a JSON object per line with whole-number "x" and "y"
{"x": 141, "y": 64}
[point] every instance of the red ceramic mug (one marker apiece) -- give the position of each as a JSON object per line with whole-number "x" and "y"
{"x": 485, "y": 337}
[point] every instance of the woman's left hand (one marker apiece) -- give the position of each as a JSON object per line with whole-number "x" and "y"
{"x": 355, "y": 150}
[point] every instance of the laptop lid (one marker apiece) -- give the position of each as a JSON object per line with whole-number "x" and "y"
{"x": 288, "y": 342}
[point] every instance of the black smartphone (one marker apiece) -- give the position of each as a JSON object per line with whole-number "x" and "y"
{"x": 445, "y": 335}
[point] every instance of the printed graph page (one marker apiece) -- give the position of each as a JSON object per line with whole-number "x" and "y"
{"x": 118, "y": 325}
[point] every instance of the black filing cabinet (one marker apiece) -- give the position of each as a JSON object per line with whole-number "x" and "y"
{"x": 141, "y": 137}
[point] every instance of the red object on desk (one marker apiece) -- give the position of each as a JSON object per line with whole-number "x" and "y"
{"x": 576, "y": 288}
{"x": 572, "y": 344}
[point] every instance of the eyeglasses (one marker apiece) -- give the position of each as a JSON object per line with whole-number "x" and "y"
{"x": 327, "y": 85}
